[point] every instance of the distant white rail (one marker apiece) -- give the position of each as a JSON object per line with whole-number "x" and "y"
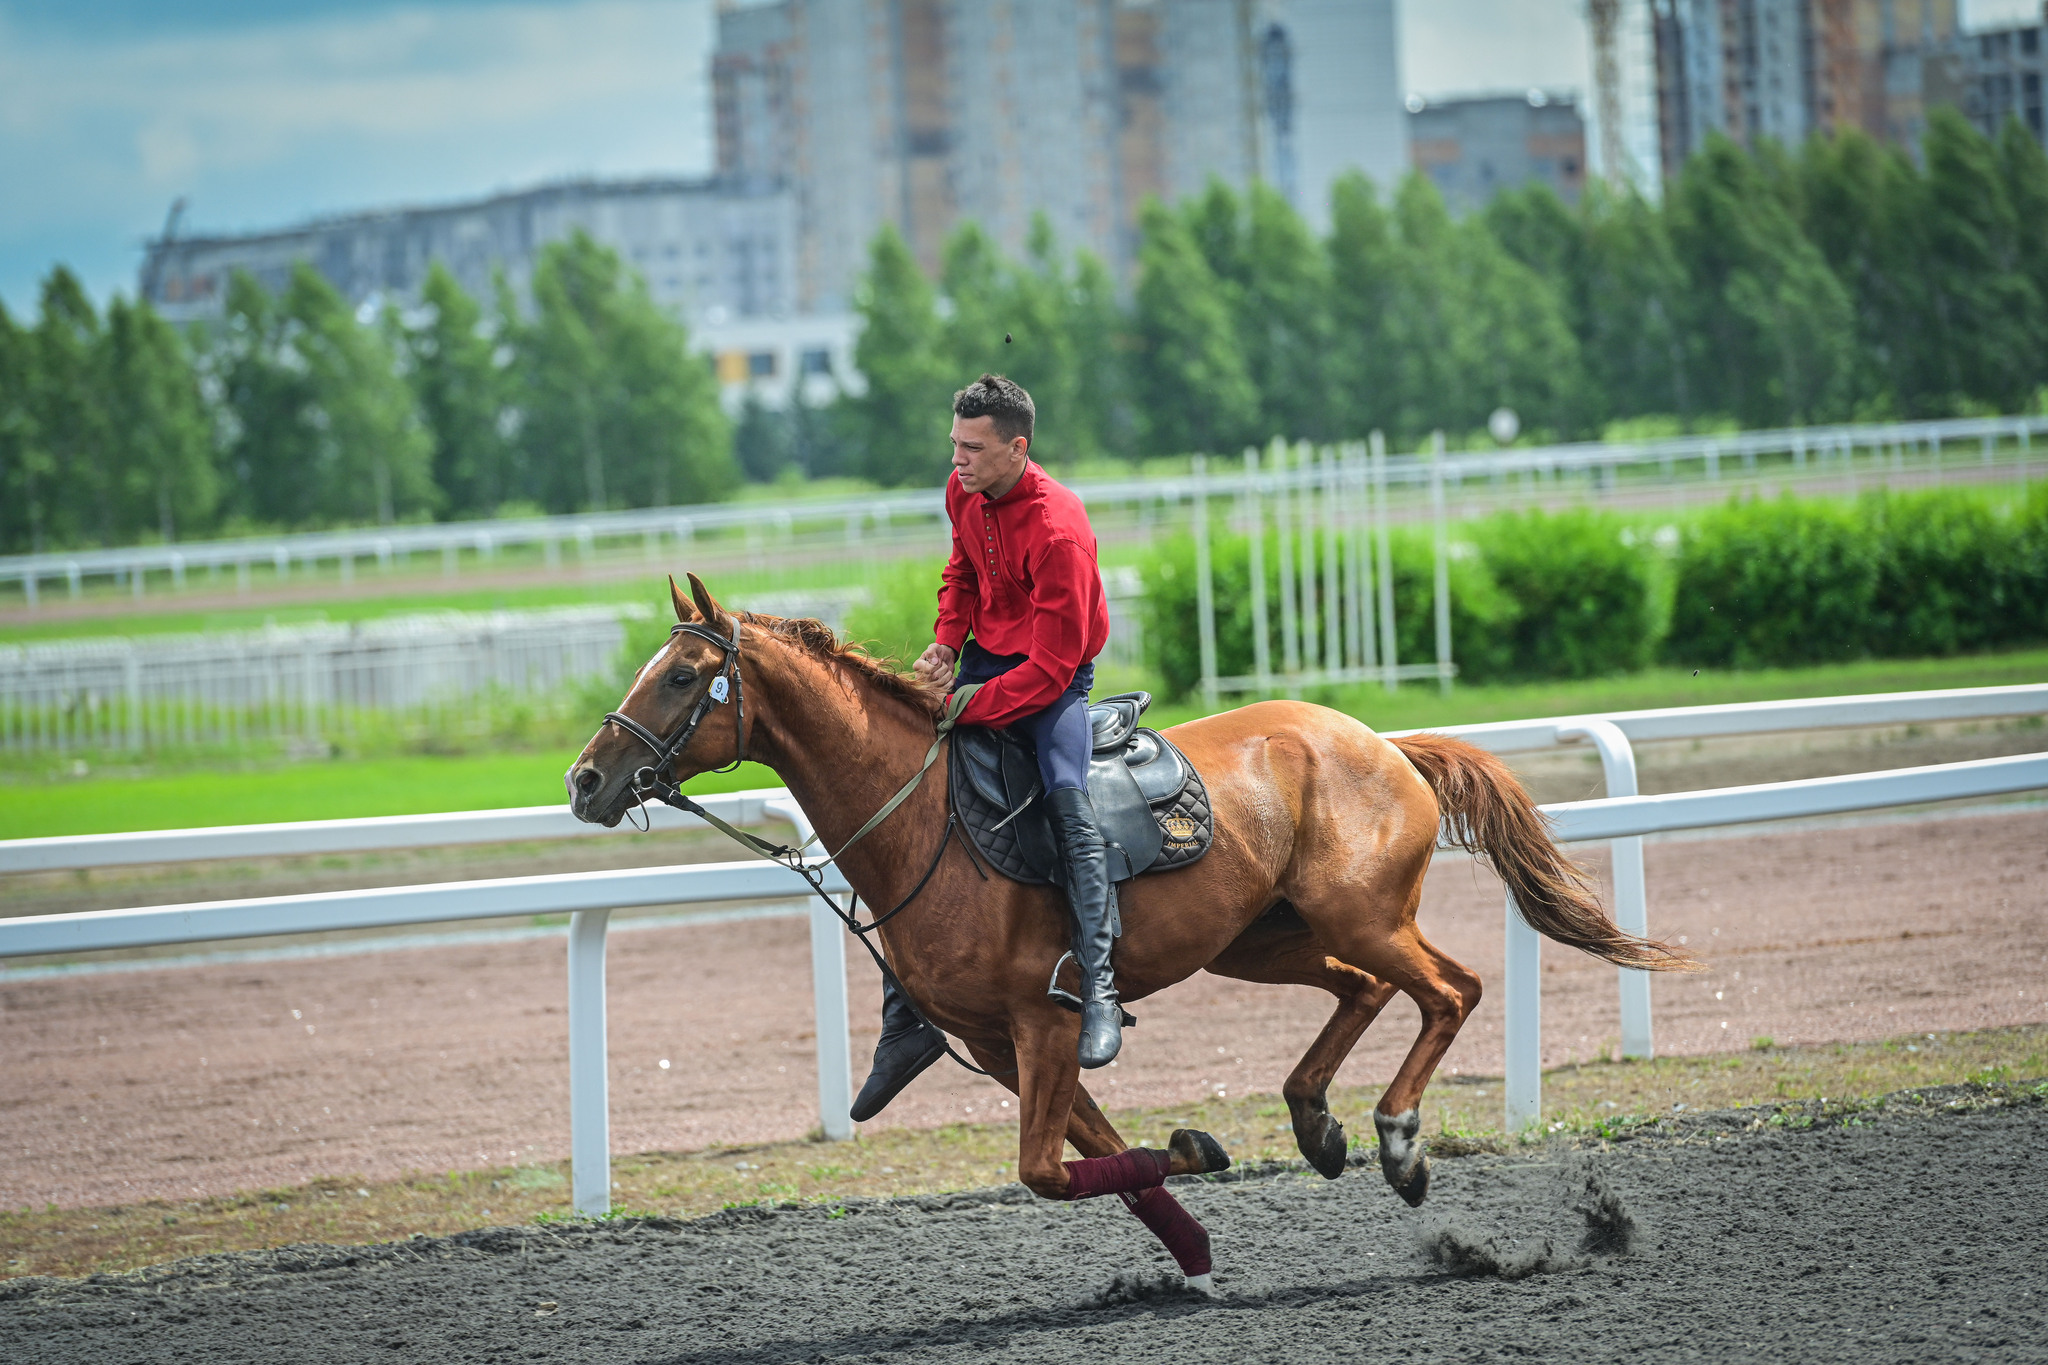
{"x": 1879, "y": 446}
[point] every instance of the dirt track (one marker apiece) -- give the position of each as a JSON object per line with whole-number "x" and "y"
{"x": 163, "y": 1084}
{"x": 1912, "y": 1234}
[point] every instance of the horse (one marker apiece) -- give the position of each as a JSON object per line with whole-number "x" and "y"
{"x": 1323, "y": 833}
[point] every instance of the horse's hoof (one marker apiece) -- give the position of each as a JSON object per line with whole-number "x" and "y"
{"x": 1326, "y": 1154}
{"x": 1417, "y": 1188}
{"x": 1401, "y": 1157}
{"x": 1204, "y": 1285}
{"x": 1198, "y": 1150}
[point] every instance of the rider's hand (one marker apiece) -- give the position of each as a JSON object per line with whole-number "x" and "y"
{"x": 935, "y": 665}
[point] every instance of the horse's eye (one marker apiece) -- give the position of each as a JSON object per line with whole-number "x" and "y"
{"x": 683, "y": 677}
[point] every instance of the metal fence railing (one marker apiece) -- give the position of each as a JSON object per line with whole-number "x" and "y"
{"x": 1872, "y": 451}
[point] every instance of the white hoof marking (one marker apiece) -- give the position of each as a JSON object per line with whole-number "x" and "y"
{"x": 1202, "y": 1284}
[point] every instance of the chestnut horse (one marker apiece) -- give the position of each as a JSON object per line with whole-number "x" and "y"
{"x": 1323, "y": 833}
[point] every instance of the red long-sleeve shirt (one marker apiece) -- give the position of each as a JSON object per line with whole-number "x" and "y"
{"x": 1022, "y": 580}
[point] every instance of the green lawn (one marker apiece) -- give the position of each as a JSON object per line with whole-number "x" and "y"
{"x": 340, "y": 788}
{"x": 334, "y": 790}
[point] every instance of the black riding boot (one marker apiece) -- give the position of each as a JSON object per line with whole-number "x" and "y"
{"x": 908, "y": 1046}
{"x": 1085, "y": 878}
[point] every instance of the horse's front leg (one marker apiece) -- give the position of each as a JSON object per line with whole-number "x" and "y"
{"x": 1048, "y": 1078}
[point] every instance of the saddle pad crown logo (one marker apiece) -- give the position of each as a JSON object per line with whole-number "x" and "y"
{"x": 1180, "y": 830}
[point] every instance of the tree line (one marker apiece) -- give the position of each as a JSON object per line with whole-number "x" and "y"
{"x": 296, "y": 409}
{"x": 1844, "y": 281}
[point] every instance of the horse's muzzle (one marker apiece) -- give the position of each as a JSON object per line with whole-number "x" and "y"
{"x": 586, "y": 784}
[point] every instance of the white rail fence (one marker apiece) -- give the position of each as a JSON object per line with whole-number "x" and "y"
{"x": 309, "y": 681}
{"x": 591, "y": 897}
{"x": 299, "y": 680}
{"x": 1871, "y": 451}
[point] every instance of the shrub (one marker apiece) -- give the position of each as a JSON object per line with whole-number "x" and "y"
{"x": 1943, "y": 576}
{"x": 1774, "y": 583}
{"x": 1583, "y": 603}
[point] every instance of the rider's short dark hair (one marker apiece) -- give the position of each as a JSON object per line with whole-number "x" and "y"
{"x": 1002, "y": 400}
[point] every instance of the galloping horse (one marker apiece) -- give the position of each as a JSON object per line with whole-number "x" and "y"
{"x": 1323, "y": 831}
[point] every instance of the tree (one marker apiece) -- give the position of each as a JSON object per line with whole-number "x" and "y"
{"x": 24, "y": 467}
{"x": 71, "y": 416}
{"x": 1771, "y": 317}
{"x": 160, "y": 432}
{"x": 1639, "y": 358}
{"x": 618, "y": 411}
{"x": 1283, "y": 320}
{"x": 1984, "y": 310}
{"x": 1863, "y": 207}
{"x": 1192, "y": 389}
{"x": 323, "y": 428}
{"x": 1034, "y": 322}
{"x": 460, "y": 384}
{"x": 2024, "y": 168}
{"x": 1367, "y": 330}
{"x": 900, "y": 420}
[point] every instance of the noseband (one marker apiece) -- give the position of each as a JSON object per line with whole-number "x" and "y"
{"x": 725, "y": 686}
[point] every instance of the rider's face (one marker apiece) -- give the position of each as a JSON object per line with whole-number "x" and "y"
{"x": 984, "y": 461}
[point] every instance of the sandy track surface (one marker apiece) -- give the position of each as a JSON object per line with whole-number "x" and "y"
{"x": 213, "y": 1079}
{"x": 1910, "y": 1234}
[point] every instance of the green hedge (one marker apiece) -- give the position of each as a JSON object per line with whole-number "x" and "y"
{"x": 1533, "y": 595}
{"x": 1752, "y": 584}
{"x": 1764, "y": 583}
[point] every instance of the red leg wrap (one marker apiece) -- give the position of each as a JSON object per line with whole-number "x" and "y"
{"x": 1175, "y": 1227}
{"x": 1134, "y": 1168}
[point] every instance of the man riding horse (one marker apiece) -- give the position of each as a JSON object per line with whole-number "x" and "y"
{"x": 1021, "y": 611}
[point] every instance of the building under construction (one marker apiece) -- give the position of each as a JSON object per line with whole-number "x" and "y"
{"x": 929, "y": 113}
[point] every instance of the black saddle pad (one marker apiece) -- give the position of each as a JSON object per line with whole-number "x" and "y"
{"x": 1149, "y": 801}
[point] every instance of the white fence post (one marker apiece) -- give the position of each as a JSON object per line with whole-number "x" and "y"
{"x": 828, "y": 997}
{"x": 1443, "y": 563}
{"x": 590, "y": 1128}
{"x": 1385, "y": 562}
{"x": 1631, "y": 898}
{"x": 1523, "y": 1043}
{"x": 1205, "y": 585}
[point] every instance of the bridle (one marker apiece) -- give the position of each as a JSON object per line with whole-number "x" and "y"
{"x": 650, "y": 780}
{"x": 657, "y": 780}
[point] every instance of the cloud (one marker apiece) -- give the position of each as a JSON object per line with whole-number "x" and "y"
{"x": 269, "y": 122}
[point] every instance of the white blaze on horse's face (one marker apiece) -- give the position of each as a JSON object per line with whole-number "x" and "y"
{"x": 648, "y": 667}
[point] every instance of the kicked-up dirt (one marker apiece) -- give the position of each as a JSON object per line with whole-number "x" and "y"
{"x": 1907, "y": 1232}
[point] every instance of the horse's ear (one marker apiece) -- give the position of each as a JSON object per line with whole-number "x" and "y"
{"x": 701, "y": 595}
{"x": 684, "y": 612}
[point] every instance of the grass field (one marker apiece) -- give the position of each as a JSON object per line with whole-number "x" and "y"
{"x": 53, "y": 803}
{"x": 1587, "y": 1103}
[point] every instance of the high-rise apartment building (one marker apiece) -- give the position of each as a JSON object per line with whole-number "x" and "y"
{"x": 1787, "y": 68}
{"x": 928, "y": 113}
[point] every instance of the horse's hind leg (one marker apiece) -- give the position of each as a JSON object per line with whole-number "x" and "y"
{"x": 1370, "y": 924}
{"x": 1291, "y": 955}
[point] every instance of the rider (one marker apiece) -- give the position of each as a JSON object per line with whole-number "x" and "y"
{"x": 1021, "y": 610}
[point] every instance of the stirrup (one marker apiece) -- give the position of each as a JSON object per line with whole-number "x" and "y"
{"x": 1071, "y": 1002}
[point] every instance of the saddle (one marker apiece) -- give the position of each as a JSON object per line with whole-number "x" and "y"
{"x": 1149, "y": 801}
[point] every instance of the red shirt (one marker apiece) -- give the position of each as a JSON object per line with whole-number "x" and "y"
{"x": 1023, "y": 580}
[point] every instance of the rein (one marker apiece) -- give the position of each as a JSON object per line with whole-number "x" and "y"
{"x": 649, "y": 781}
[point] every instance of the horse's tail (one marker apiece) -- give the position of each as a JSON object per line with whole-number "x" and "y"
{"x": 1486, "y": 811}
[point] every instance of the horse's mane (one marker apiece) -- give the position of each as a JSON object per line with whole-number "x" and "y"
{"x": 815, "y": 638}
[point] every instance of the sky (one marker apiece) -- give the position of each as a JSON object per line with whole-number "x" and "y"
{"x": 263, "y": 113}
